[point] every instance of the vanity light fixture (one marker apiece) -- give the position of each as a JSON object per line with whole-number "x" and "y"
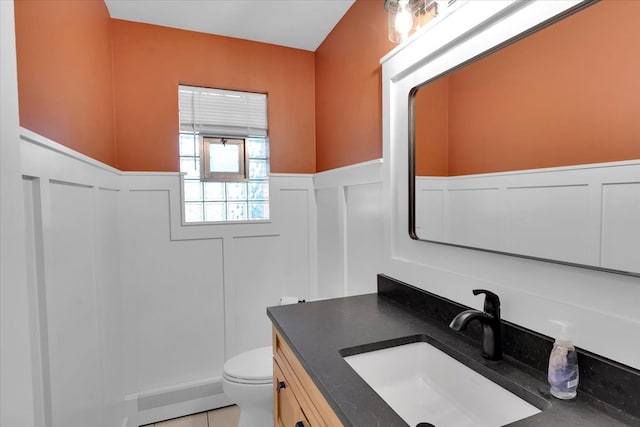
{"x": 407, "y": 16}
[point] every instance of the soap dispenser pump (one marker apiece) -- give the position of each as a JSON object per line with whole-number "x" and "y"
{"x": 563, "y": 373}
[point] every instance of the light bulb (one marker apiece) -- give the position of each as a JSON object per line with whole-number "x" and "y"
{"x": 403, "y": 21}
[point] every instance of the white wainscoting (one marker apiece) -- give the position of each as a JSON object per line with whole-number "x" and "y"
{"x": 350, "y": 229}
{"x": 72, "y": 238}
{"x": 579, "y": 214}
{"x": 20, "y": 401}
{"x": 196, "y": 294}
{"x": 620, "y": 225}
{"x": 136, "y": 312}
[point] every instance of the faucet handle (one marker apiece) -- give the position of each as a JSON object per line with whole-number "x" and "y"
{"x": 491, "y": 302}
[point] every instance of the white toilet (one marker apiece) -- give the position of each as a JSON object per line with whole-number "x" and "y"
{"x": 248, "y": 382}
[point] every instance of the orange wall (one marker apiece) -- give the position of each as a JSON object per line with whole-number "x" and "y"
{"x": 324, "y": 108}
{"x": 432, "y": 129}
{"x": 501, "y": 122}
{"x": 65, "y": 87}
{"x": 149, "y": 63}
{"x": 349, "y": 87}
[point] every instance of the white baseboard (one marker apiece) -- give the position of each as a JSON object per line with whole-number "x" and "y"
{"x": 183, "y": 408}
{"x": 131, "y": 408}
{"x": 175, "y": 401}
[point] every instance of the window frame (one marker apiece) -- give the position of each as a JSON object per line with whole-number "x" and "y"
{"x": 205, "y": 159}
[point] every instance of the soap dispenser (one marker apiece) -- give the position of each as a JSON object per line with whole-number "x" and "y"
{"x": 563, "y": 365}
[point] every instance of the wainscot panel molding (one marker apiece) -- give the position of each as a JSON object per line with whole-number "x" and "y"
{"x": 135, "y": 312}
{"x": 71, "y": 211}
{"x": 196, "y": 294}
{"x": 20, "y": 394}
{"x": 595, "y": 303}
{"x": 360, "y": 173}
{"x": 580, "y": 212}
{"x": 350, "y": 229}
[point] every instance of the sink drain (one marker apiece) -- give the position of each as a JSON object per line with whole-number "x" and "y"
{"x": 425, "y": 425}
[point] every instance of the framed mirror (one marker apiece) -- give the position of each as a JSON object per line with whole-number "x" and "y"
{"x": 533, "y": 149}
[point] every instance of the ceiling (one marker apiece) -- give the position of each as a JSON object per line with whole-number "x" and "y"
{"x": 301, "y": 24}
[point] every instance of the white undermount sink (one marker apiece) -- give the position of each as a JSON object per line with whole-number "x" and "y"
{"x": 424, "y": 384}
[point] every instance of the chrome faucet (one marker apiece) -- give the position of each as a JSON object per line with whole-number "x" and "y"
{"x": 491, "y": 326}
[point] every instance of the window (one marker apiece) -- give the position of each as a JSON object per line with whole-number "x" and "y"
{"x": 223, "y": 159}
{"x": 224, "y": 153}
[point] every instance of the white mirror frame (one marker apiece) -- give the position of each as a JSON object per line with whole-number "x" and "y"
{"x": 465, "y": 32}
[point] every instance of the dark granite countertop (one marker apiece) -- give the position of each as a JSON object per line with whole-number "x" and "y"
{"x": 321, "y": 332}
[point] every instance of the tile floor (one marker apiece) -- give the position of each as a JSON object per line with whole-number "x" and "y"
{"x": 223, "y": 417}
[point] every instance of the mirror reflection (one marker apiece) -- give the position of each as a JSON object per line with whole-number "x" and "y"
{"x": 497, "y": 143}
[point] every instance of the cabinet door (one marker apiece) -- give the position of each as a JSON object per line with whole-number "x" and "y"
{"x": 287, "y": 411}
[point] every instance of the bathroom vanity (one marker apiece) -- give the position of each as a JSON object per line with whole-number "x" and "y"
{"x": 297, "y": 400}
{"x": 311, "y": 341}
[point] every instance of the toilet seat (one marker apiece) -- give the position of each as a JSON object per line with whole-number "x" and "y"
{"x": 246, "y": 381}
{"x": 252, "y": 367}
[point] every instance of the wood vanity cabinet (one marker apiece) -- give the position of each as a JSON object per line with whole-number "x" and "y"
{"x": 297, "y": 402}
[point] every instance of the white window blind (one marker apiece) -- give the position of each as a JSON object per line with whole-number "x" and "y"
{"x": 222, "y": 112}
